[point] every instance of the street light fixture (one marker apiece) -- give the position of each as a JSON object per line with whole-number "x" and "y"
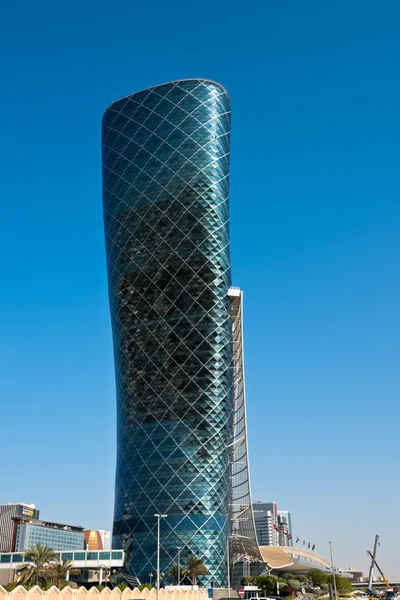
{"x": 228, "y": 558}
{"x": 101, "y": 573}
{"x": 228, "y": 561}
{"x": 333, "y": 570}
{"x": 179, "y": 565}
{"x": 159, "y": 517}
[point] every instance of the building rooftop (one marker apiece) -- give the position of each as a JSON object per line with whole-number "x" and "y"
{"x": 19, "y": 504}
{"x": 50, "y": 524}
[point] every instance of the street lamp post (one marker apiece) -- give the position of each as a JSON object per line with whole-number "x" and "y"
{"x": 150, "y": 577}
{"x": 333, "y": 570}
{"x": 101, "y": 573}
{"x": 159, "y": 517}
{"x": 228, "y": 560}
{"x": 179, "y": 565}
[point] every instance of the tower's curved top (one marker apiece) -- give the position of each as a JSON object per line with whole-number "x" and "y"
{"x": 159, "y": 86}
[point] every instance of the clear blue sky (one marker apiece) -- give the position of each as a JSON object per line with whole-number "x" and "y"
{"x": 315, "y": 215}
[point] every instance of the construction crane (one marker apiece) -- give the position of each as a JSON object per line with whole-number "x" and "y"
{"x": 371, "y": 569}
{"x": 390, "y": 594}
{"x": 380, "y": 571}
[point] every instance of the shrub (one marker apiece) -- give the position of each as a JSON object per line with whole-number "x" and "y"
{"x": 294, "y": 584}
{"x": 122, "y": 586}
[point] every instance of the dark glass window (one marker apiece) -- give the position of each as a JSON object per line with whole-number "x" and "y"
{"x": 92, "y": 556}
{"x": 5, "y": 558}
{"x": 79, "y": 555}
{"x": 67, "y": 556}
{"x": 17, "y": 558}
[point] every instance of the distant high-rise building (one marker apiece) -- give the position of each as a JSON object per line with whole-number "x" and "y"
{"x": 285, "y": 528}
{"x": 31, "y": 532}
{"x": 7, "y": 512}
{"x": 266, "y": 522}
{"x": 166, "y": 210}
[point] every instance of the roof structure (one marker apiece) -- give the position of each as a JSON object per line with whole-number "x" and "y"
{"x": 292, "y": 559}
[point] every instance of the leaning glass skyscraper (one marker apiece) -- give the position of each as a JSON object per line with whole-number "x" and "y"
{"x": 166, "y": 189}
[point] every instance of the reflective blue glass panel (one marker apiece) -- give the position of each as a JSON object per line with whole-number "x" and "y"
{"x": 166, "y": 192}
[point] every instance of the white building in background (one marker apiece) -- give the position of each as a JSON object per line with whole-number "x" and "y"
{"x": 105, "y": 538}
{"x": 58, "y": 536}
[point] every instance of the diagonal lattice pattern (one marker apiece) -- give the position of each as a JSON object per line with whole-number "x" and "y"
{"x": 165, "y": 188}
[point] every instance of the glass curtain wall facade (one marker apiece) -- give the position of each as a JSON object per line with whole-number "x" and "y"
{"x": 165, "y": 189}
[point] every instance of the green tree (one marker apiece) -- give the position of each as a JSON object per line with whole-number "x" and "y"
{"x": 343, "y": 585}
{"x": 268, "y": 584}
{"x": 174, "y": 573}
{"x": 183, "y": 575}
{"x": 144, "y": 586}
{"x": 194, "y": 567}
{"x": 318, "y": 577}
{"x": 57, "y": 571}
{"x": 36, "y": 567}
{"x": 299, "y": 577}
{"x": 293, "y": 577}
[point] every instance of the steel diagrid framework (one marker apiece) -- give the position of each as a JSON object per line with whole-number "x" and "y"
{"x": 165, "y": 187}
{"x": 243, "y": 542}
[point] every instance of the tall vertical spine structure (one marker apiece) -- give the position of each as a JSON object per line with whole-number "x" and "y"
{"x": 243, "y": 539}
{"x": 165, "y": 189}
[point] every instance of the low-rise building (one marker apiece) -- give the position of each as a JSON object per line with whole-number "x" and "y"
{"x": 30, "y": 532}
{"x": 355, "y": 575}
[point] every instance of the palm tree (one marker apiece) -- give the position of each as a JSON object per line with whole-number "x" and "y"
{"x": 26, "y": 574}
{"x": 173, "y": 573}
{"x": 37, "y": 562}
{"x": 195, "y": 566}
{"x": 58, "y": 571}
